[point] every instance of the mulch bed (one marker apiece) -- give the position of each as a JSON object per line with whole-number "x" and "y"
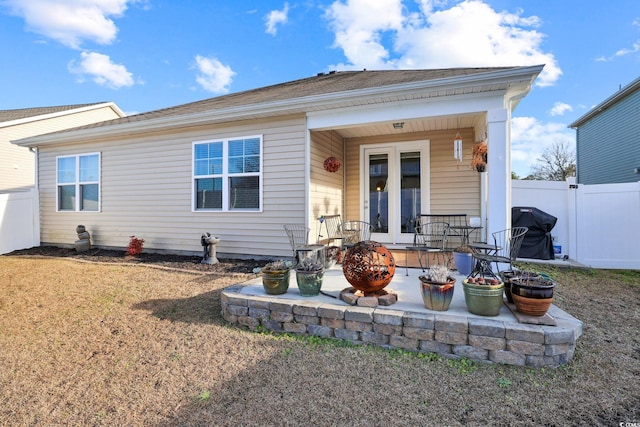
{"x": 180, "y": 262}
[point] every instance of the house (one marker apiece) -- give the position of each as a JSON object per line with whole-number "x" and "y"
{"x": 607, "y": 146}
{"x": 17, "y": 164}
{"x": 242, "y": 165}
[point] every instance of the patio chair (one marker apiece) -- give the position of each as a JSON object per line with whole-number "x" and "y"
{"x": 298, "y": 235}
{"x": 506, "y": 244}
{"x": 331, "y": 222}
{"x": 429, "y": 238}
{"x": 352, "y": 232}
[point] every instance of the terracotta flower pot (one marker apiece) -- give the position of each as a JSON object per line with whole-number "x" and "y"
{"x": 532, "y": 296}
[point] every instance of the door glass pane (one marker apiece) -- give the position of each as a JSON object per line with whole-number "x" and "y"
{"x": 379, "y": 193}
{"x": 409, "y": 190}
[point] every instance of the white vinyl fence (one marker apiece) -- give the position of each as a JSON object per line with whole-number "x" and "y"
{"x": 19, "y": 220}
{"x": 598, "y": 225}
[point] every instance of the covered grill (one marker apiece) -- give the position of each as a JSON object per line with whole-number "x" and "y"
{"x": 537, "y": 243}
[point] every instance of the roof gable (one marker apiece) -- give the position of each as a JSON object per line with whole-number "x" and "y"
{"x": 629, "y": 89}
{"x": 24, "y": 113}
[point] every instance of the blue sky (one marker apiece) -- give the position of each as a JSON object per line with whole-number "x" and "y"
{"x": 150, "y": 54}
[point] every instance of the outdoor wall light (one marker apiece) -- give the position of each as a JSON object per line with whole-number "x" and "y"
{"x": 398, "y": 125}
{"x": 636, "y": 170}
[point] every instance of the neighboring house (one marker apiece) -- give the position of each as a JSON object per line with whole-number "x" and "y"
{"x": 240, "y": 166}
{"x": 607, "y": 143}
{"x": 17, "y": 164}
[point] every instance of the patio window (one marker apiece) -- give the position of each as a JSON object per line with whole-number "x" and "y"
{"x": 78, "y": 183}
{"x": 227, "y": 174}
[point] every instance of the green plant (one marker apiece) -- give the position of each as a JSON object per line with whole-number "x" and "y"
{"x": 278, "y": 265}
{"x": 204, "y": 396}
{"x": 437, "y": 274}
{"x": 504, "y": 382}
{"x": 135, "y": 246}
{"x": 464, "y": 249}
{"x": 309, "y": 264}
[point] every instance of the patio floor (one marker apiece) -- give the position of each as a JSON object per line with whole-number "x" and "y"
{"x": 407, "y": 324}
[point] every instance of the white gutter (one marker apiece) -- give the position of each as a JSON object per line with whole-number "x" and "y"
{"x": 300, "y": 105}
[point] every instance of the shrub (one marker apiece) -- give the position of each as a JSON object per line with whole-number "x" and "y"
{"x": 135, "y": 246}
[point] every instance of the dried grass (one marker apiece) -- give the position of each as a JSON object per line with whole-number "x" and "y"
{"x": 112, "y": 344}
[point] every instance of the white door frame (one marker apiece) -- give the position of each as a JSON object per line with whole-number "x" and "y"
{"x": 393, "y": 150}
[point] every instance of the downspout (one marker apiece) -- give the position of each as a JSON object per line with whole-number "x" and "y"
{"x": 34, "y": 150}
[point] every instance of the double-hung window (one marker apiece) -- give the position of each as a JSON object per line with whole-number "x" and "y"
{"x": 78, "y": 182}
{"x": 227, "y": 174}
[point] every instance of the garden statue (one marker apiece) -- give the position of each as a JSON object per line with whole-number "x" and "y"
{"x": 208, "y": 243}
{"x": 84, "y": 239}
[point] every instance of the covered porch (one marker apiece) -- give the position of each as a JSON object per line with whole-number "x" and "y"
{"x": 410, "y": 153}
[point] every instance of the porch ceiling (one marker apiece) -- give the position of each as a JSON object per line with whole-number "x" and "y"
{"x": 426, "y": 124}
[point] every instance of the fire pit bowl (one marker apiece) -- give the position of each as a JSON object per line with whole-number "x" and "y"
{"x": 368, "y": 266}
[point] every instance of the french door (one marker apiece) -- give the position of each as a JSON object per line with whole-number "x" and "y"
{"x": 395, "y": 188}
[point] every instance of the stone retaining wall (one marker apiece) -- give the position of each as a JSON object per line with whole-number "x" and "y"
{"x": 479, "y": 339}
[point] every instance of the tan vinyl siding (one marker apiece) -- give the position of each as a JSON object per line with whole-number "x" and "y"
{"x": 17, "y": 164}
{"x": 325, "y": 190}
{"x": 455, "y": 187}
{"x": 146, "y": 191}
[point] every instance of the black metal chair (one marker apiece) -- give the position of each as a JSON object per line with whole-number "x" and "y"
{"x": 429, "y": 238}
{"x": 506, "y": 244}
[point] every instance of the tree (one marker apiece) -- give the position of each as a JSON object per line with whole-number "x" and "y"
{"x": 557, "y": 163}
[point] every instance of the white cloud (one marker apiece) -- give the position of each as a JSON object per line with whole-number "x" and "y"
{"x": 359, "y": 26}
{"x": 275, "y": 18}
{"x": 71, "y": 22}
{"x": 470, "y": 33}
{"x": 559, "y": 108}
{"x": 101, "y": 70}
{"x": 213, "y": 75}
{"x": 530, "y": 138}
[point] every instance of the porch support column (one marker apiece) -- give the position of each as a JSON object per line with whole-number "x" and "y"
{"x": 498, "y": 171}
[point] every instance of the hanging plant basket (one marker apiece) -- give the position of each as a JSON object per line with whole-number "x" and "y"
{"x": 479, "y": 156}
{"x": 331, "y": 164}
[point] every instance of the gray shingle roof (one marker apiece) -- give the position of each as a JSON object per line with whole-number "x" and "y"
{"x": 321, "y": 84}
{"x": 23, "y": 113}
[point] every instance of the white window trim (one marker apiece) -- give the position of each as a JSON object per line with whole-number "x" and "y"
{"x": 77, "y": 183}
{"x": 225, "y": 175}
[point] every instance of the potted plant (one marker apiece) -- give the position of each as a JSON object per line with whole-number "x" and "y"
{"x": 506, "y": 277}
{"x": 275, "y": 277}
{"x": 332, "y": 255}
{"x": 483, "y": 295}
{"x": 309, "y": 273}
{"x": 463, "y": 259}
{"x": 436, "y": 287}
{"x": 479, "y": 156}
{"x": 532, "y": 294}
